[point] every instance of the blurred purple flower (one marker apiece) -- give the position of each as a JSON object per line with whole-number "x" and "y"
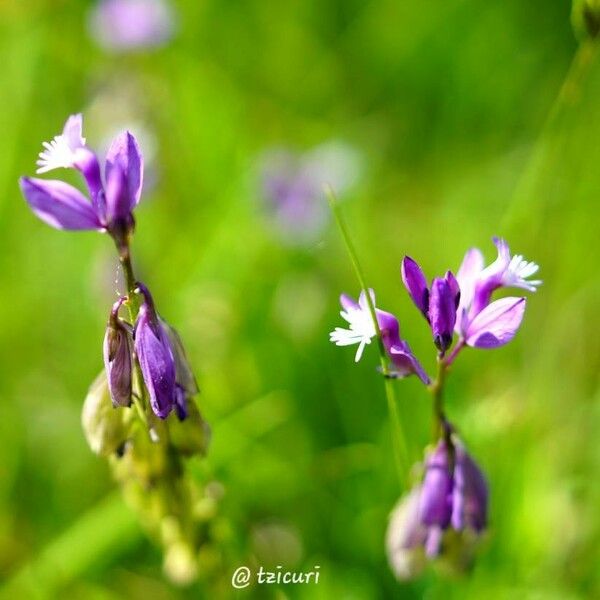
{"x": 117, "y": 357}
{"x": 110, "y": 207}
{"x": 480, "y": 322}
{"x": 452, "y": 495}
{"x": 292, "y": 186}
{"x": 437, "y": 303}
{"x": 156, "y": 357}
{"x": 362, "y": 331}
{"x": 124, "y": 25}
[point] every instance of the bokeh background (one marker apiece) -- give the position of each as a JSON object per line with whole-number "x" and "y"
{"x": 455, "y": 121}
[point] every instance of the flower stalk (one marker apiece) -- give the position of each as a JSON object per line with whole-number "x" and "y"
{"x": 401, "y": 457}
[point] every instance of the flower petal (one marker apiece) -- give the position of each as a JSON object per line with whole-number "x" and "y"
{"x": 442, "y": 312}
{"x": 468, "y": 272}
{"x": 125, "y": 151}
{"x": 405, "y": 362}
{"x": 496, "y": 324}
{"x": 59, "y": 204}
{"x": 435, "y": 507}
{"x": 118, "y": 206}
{"x": 470, "y": 494}
{"x": 416, "y": 284}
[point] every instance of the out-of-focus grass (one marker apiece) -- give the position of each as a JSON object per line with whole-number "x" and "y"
{"x": 449, "y": 104}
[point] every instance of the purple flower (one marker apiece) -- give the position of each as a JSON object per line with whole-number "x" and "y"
{"x": 480, "y": 322}
{"x": 110, "y": 207}
{"x": 454, "y": 494}
{"x": 362, "y": 331}
{"x": 122, "y": 25}
{"x": 156, "y": 357}
{"x": 117, "y": 357}
{"x": 437, "y": 303}
{"x": 292, "y": 186}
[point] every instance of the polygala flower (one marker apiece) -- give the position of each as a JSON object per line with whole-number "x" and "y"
{"x": 480, "y": 322}
{"x": 110, "y": 205}
{"x": 437, "y": 303}
{"x": 117, "y": 357}
{"x": 362, "y": 331}
{"x": 156, "y": 357}
{"x": 122, "y": 25}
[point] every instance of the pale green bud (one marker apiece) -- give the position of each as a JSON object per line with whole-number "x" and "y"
{"x": 106, "y": 429}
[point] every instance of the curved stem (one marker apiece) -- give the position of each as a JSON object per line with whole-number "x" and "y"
{"x": 398, "y": 436}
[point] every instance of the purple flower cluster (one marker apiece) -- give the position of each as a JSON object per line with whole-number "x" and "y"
{"x": 453, "y": 496}
{"x": 452, "y": 499}
{"x": 461, "y": 305}
{"x": 149, "y": 342}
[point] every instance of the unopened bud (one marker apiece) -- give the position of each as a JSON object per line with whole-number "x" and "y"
{"x": 117, "y": 358}
{"x": 106, "y": 429}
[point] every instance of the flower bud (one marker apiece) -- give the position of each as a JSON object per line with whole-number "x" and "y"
{"x": 442, "y": 310}
{"x": 117, "y": 358}
{"x": 155, "y": 354}
{"x": 406, "y": 536}
{"x": 106, "y": 430}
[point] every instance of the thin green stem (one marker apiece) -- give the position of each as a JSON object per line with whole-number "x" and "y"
{"x": 398, "y": 436}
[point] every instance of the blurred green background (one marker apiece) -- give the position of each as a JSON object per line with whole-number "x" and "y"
{"x": 465, "y": 130}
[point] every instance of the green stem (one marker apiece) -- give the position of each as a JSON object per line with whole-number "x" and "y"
{"x": 398, "y": 436}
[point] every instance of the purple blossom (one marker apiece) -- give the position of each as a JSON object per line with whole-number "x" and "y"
{"x": 362, "y": 331}
{"x": 117, "y": 357}
{"x": 292, "y": 186}
{"x": 480, "y": 322}
{"x": 110, "y": 207}
{"x": 122, "y": 25}
{"x": 437, "y": 303}
{"x": 156, "y": 357}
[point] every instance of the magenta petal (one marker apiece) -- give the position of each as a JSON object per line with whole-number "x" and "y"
{"x": 125, "y": 151}
{"x": 496, "y": 324}
{"x": 59, "y": 204}
{"x": 416, "y": 284}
